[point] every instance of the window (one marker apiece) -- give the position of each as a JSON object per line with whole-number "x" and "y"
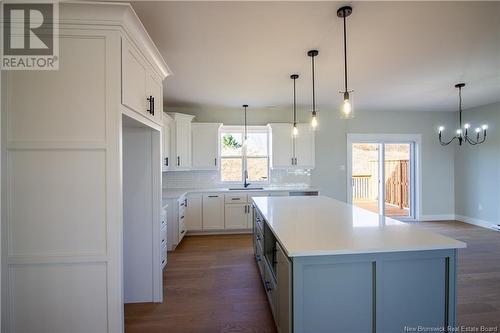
{"x": 236, "y": 157}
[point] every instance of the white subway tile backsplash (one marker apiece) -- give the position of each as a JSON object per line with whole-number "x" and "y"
{"x": 210, "y": 179}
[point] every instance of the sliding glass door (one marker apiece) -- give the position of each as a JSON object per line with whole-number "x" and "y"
{"x": 382, "y": 177}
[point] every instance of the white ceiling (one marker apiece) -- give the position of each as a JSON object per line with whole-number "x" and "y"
{"x": 403, "y": 56}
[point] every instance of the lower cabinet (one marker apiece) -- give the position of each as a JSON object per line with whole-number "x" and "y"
{"x": 194, "y": 212}
{"x": 283, "y": 306}
{"x": 236, "y": 216}
{"x": 213, "y": 211}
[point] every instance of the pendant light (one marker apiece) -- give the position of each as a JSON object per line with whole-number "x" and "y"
{"x": 245, "y": 106}
{"x": 346, "y": 107}
{"x": 463, "y": 135}
{"x": 314, "y": 120}
{"x": 295, "y": 130}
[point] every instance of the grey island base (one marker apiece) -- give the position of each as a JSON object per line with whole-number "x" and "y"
{"x": 328, "y": 266}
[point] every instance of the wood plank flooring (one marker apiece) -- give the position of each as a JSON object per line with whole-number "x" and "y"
{"x": 211, "y": 284}
{"x": 478, "y": 280}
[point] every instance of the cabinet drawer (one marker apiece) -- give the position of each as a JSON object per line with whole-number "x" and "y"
{"x": 235, "y": 198}
{"x": 163, "y": 260}
{"x": 163, "y": 237}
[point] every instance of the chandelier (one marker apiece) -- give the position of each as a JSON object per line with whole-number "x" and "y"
{"x": 463, "y": 135}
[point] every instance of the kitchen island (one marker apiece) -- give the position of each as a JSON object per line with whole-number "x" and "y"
{"x": 328, "y": 266}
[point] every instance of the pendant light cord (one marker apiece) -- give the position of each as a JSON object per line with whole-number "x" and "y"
{"x": 345, "y": 52}
{"x": 313, "y": 86}
{"x": 294, "y": 103}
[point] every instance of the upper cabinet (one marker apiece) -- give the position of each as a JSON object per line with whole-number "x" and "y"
{"x": 142, "y": 89}
{"x": 181, "y": 141}
{"x": 166, "y": 142}
{"x": 304, "y": 147}
{"x": 290, "y": 152}
{"x": 205, "y": 141}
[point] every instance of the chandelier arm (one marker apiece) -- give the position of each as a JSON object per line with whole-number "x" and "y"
{"x": 444, "y": 143}
{"x": 471, "y": 141}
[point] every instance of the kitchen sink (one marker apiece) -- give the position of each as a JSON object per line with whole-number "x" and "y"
{"x": 246, "y": 189}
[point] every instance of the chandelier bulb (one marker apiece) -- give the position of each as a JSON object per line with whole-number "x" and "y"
{"x": 467, "y": 126}
{"x": 485, "y": 127}
{"x": 295, "y": 130}
{"x": 478, "y": 130}
{"x": 441, "y": 128}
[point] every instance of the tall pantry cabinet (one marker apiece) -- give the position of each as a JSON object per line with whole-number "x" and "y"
{"x": 62, "y": 192}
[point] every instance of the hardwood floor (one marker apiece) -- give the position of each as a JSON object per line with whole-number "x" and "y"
{"x": 211, "y": 285}
{"x": 478, "y": 281}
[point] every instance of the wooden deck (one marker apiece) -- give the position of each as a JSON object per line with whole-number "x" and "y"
{"x": 211, "y": 284}
{"x": 372, "y": 206}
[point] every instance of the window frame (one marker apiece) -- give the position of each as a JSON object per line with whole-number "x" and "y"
{"x": 244, "y": 157}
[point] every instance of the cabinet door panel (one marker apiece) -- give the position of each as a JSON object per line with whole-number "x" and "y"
{"x": 282, "y": 145}
{"x": 284, "y": 293}
{"x": 213, "y": 211}
{"x": 236, "y": 216}
{"x": 155, "y": 90}
{"x": 183, "y": 142}
{"x": 167, "y": 160}
{"x": 205, "y": 145}
{"x": 133, "y": 79}
{"x": 194, "y": 212}
{"x": 304, "y": 146}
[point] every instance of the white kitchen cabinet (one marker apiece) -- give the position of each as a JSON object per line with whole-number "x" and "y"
{"x": 154, "y": 97}
{"x": 289, "y": 152}
{"x": 304, "y": 147}
{"x": 141, "y": 88}
{"x": 281, "y": 145}
{"x": 194, "y": 212}
{"x": 181, "y": 141}
{"x": 205, "y": 143}
{"x": 166, "y": 137}
{"x": 213, "y": 211}
{"x": 236, "y": 216}
{"x": 237, "y": 211}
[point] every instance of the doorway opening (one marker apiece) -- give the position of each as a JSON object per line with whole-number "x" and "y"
{"x": 382, "y": 175}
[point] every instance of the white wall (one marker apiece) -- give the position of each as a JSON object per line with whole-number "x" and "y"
{"x": 477, "y": 170}
{"x": 330, "y": 174}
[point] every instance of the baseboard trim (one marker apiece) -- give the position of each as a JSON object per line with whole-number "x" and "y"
{"x": 439, "y": 217}
{"x": 219, "y": 232}
{"x": 477, "y": 222}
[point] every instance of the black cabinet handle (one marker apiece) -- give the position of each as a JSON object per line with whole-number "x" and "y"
{"x": 152, "y": 105}
{"x": 150, "y": 99}
{"x": 178, "y": 161}
{"x": 166, "y": 161}
{"x": 213, "y": 196}
{"x": 215, "y": 161}
{"x": 183, "y": 231}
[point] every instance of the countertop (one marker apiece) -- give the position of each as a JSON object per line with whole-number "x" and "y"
{"x": 177, "y": 193}
{"x": 310, "y": 226}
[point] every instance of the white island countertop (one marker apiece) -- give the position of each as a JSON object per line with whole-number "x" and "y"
{"x": 311, "y": 226}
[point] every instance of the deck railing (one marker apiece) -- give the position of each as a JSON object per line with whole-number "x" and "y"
{"x": 396, "y": 184}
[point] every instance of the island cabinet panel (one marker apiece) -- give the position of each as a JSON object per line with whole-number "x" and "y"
{"x": 284, "y": 294}
{"x": 412, "y": 292}
{"x": 332, "y": 295}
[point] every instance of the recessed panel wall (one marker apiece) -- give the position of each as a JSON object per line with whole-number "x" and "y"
{"x": 56, "y": 297}
{"x": 53, "y": 112}
{"x": 57, "y": 202}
